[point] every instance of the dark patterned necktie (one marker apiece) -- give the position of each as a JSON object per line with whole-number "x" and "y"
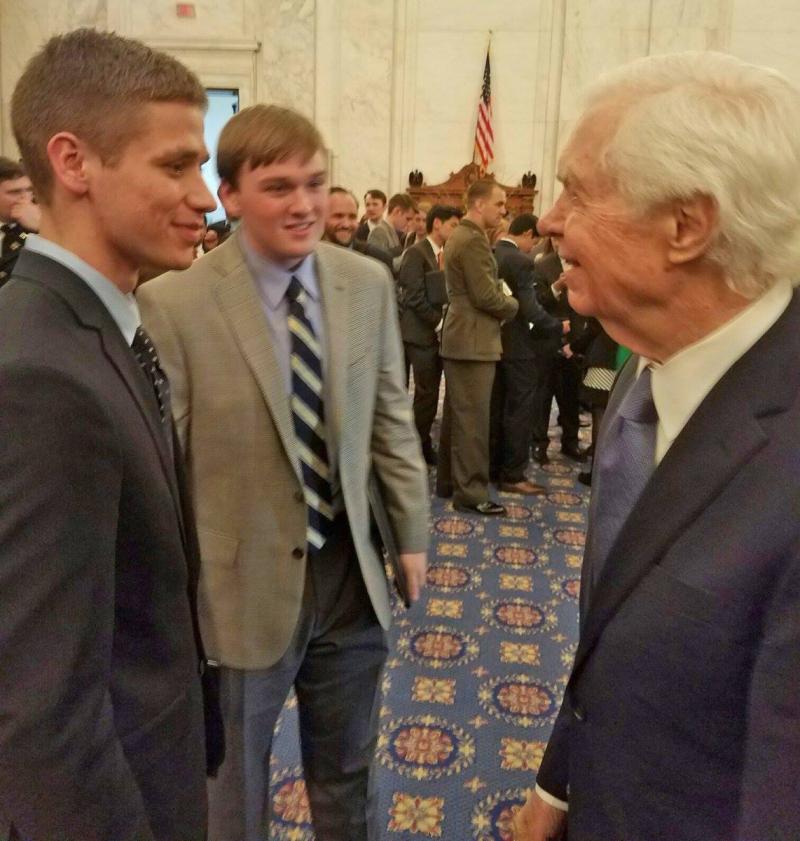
{"x": 308, "y": 416}
{"x": 147, "y": 357}
{"x": 625, "y": 461}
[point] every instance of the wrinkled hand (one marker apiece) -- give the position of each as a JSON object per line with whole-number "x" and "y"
{"x": 539, "y": 821}
{"x": 27, "y": 214}
{"x": 415, "y": 565}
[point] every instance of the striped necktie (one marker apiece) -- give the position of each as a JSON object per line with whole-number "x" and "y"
{"x": 308, "y": 415}
{"x": 147, "y": 357}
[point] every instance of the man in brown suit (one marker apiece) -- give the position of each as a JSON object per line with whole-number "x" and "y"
{"x": 471, "y": 346}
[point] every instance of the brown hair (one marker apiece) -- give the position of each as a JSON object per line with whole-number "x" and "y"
{"x": 261, "y": 135}
{"x": 10, "y": 170}
{"x": 92, "y": 84}
{"x": 481, "y": 189}
{"x": 402, "y": 200}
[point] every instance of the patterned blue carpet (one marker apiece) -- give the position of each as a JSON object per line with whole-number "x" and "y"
{"x": 475, "y": 672}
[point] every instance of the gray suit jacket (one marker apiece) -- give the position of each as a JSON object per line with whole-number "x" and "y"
{"x": 680, "y": 716}
{"x": 101, "y": 721}
{"x": 234, "y": 420}
{"x": 384, "y": 236}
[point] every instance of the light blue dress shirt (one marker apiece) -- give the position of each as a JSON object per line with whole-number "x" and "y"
{"x": 272, "y": 282}
{"x": 122, "y": 307}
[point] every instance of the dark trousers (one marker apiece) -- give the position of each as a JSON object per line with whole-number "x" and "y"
{"x": 512, "y": 418}
{"x": 334, "y": 662}
{"x": 463, "y": 468}
{"x": 427, "y": 366}
{"x": 560, "y": 378}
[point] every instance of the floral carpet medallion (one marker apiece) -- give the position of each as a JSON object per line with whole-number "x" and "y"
{"x": 425, "y": 747}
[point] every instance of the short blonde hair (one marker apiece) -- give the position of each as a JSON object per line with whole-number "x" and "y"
{"x": 92, "y": 84}
{"x": 262, "y": 134}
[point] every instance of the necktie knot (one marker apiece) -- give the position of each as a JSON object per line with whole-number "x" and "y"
{"x": 638, "y": 404}
{"x": 295, "y": 292}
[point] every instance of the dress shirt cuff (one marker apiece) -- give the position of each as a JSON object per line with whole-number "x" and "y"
{"x": 550, "y": 800}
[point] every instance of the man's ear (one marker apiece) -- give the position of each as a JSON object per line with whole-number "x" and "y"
{"x": 692, "y": 225}
{"x": 229, "y": 196}
{"x": 71, "y": 161}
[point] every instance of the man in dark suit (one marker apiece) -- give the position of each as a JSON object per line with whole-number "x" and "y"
{"x": 530, "y": 340}
{"x": 341, "y": 223}
{"x": 101, "y": 714}
{"x": 470, "y": 348}
{"x": 680, "y": 718}
{"x": 374, "y": 206}
{"x": 420, "y": 317}
{"x": 559, "y": 372}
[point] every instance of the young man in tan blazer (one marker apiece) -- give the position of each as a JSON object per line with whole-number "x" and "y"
{"x": 287, "y": 383}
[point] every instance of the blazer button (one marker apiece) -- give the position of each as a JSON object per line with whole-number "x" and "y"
{"x": 579, "y": 712}
{"x": 298, "y": 496}
{"x": 298, "y": 553}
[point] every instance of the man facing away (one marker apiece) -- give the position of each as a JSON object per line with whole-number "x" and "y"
{"x": 528, "y": 340}
{"x": 287, "y": 375}
{"x": 420, "y": 318}
{"x": 101, "y": 715}
{"x": 471, "y": 346}
{"x": 680, "y": 719}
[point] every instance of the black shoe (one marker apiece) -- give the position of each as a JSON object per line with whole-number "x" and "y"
{"x": 585, "y": 477}
{"x": 540, "y": 454}
{"x": 430, "y": 455}
{"x": 574, "y": 452}
{"x": 487, "y": 509}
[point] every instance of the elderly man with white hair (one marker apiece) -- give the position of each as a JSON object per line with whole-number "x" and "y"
{"x": 679, "y": 222}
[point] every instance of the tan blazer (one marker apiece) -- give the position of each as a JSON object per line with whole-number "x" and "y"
{"x": 477, "y": 305}
{"x": 234, "y": 421}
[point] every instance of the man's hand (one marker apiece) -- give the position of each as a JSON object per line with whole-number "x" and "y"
{"x": 27, "y": 214}
{"x": 415, "y": 565}
{"x": 567, "y": 351}
{"x": 565, "y": 326}
{"x": 539, "y": 821}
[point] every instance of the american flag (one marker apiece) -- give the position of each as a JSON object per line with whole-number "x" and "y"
{"x": 484, "y": 135}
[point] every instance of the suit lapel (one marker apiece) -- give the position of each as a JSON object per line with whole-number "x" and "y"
{"x": 723, "y": 434}
{"x": 238, "y": 299}
{"x": 430, "y": 257}
{"x": 93, "y": 315}
{"x": 335, "y": 308}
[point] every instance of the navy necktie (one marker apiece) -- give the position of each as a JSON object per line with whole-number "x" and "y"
{"x": 625, "y": 461}
{"x": 147, "y": 357}
{"x": 308, "y": 416}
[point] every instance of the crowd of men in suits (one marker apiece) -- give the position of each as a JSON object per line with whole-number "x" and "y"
{"x": 200, "y": 482}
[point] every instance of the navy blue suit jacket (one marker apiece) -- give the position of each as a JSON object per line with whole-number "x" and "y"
{"x": 681, "y": 719}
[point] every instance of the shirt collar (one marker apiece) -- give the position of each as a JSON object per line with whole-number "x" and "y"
{"x": 121, "y": 306}
{"x": 682, "y": 382}
{"x": 436, "y": 248}
{"x": 273, "y": 279}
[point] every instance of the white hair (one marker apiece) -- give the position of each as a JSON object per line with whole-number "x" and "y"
{"x": 710, "y": 124}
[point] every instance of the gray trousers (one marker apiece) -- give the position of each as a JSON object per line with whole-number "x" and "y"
{"x": 334, "y": 662}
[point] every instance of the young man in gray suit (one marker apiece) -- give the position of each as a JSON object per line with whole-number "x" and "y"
{"x": 287, "y": 376}
{"x": 679, "y": 224}
{"x": 101, "y": 716}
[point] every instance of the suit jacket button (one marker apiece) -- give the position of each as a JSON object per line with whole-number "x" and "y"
{"x": 298, "y": 553}
{"x": 299, "y": 497}
{"x": 579, "y": 712}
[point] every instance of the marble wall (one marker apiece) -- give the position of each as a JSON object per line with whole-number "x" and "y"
{"x": 393, "y": 84}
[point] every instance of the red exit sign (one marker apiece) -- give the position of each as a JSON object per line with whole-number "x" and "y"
{"x": 185, "y": 10}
